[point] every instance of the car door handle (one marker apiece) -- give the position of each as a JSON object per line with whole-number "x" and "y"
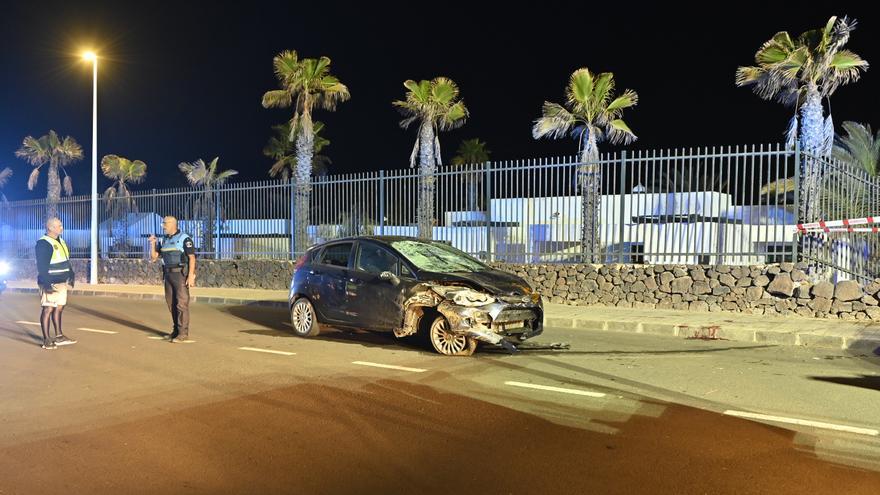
{"x": 356, "y": 281}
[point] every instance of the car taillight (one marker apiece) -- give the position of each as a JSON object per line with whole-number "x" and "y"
{"x": 300, "y": 262}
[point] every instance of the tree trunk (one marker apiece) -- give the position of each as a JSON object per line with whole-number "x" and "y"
{"x": 54, "y": 192}
{"x": 590, "y": 183}
{"x": 811, "y": 138}
{"x": 427, "y": 181}
{"x": 303, "y": 185}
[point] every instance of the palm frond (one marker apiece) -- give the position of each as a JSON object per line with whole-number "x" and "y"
{"x": 33, "y": 178}
{"x": 277, "y": 98}
{"x": 555, "y": 122}
{"x": 5, "y": 174}
{"x": 68, "y": 185}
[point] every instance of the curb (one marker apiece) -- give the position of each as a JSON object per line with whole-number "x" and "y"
{"x": 848, "y": 341}
{"x": 160, "y": 297}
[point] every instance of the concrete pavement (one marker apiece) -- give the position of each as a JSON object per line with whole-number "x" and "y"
{"x": 248, "y": 408}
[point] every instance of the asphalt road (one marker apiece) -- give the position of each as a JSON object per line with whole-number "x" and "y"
{"x": 248, "y": 408}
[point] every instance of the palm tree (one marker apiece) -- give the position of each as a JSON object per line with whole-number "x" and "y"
{"x": 472, "y": 152}
{"x": 57, "y": 153}
{"x": 117, "y": 197}
{"x": 5, "y": 174}
{"x": 436, "y": 106}
{"x": 306, "y": 84}
{"x": 207, "y": 178}
{"x": 592, "y": 114}
{"x": 859, "y": 148}
{"x": 798, "y": 73}
{"x": 281, "y": 149}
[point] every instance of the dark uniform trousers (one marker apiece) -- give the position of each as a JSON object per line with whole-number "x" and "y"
{"x": 177, "y": 297}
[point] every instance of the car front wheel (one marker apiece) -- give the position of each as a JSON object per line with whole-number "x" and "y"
{"x": 303, "y": 318}
{"x": 447, "y": 343}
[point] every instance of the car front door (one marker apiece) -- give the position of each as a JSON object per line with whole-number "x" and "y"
{"x": 330, "y": 274}
{"x": 375, "y": 302}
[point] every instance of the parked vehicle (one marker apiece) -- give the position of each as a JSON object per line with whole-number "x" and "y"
{"x": 406, "y": 286}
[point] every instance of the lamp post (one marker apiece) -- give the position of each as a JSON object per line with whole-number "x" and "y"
{"x": 93, "y": 271}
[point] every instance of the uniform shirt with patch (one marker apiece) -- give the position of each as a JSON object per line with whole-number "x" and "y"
{"x": 189, "y": 249}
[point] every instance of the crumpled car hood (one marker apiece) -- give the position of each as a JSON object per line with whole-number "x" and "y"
{"x": 494, "y": 282}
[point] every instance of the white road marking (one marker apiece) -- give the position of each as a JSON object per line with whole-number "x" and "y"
{"x": 157, "y": 338}
{"x": 556, "y": 389}
{"x": 803, "y": 422}
{"x": 388, "y": 366}
{"x": 34, "y": 323}
{"x": 95, "y": 330}
{"x": 268, "y": 351}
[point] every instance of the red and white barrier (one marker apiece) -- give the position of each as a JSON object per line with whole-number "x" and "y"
{"x": 841, "y": 229}
{"x": 837, "y": 225}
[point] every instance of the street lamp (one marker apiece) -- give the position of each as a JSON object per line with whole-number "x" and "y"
{"x": 90, "y": 56}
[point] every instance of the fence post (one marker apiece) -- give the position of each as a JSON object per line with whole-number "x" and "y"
{"x": 488, "y": 198}
{"x": 622, "y": 193}
{"x": 381, "y": 202}
{"x": 292, "y": 217}
{"x": 798, "y": 237}
{"x": 153, "y": 194}
{"x": 217, "y": 224}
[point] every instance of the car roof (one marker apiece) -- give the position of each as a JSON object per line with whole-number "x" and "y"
{"x": 379, "y": 238}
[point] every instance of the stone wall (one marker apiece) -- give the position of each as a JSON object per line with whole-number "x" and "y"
{"x": 774, "y": 290}
{"x": 245, "y": 274}
{"x": 782, "y": 289}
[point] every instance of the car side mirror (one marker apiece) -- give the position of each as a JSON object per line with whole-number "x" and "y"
{"x": 389, "y": 277}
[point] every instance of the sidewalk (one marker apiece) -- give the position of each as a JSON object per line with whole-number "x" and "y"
{"x": 860, "y": 337}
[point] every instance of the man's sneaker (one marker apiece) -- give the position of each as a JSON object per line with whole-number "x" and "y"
{"x": 49, "y": 346}
{"x": 178, "y": 340}
{"x": 64, "y": 340}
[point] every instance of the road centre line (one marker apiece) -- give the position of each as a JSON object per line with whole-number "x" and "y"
{"x": 547, "y": 388}
{"x": 95, "y": 330}
{"x": 268, "y": 351}
{"x": 803, "y": 422}
{"x": 389, "y": 366}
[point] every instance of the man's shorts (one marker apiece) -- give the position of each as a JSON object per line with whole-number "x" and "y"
{"x": 55, "y": 299}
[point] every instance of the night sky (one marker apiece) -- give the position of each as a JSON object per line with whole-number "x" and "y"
{"x": 183, "y": 80}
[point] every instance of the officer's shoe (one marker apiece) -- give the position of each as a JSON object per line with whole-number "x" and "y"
{"x": 64, "y": 340}
{"x": 49, "y": 345}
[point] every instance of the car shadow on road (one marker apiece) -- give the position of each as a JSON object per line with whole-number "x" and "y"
{"x": 120, "y": 320}
{"x": 870, "y": 382}
{"x": 276, "y": 323}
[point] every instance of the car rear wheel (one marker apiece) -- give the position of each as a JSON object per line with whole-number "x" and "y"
{"x": 447, "y": 343}
{"x": 303, "y": 318}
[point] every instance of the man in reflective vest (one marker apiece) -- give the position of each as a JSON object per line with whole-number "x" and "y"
{"x": 179, "y": 272}
{"x": 54, "y": 275}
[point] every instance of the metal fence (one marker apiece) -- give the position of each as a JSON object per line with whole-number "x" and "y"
{"x": 840, "y": 191}
{"x": 694, "y": 206}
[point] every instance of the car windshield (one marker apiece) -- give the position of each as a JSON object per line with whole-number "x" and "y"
{"x": 436, "y": 257}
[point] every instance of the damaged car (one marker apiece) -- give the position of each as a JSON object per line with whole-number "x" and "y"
{"x": 411, "y": 286}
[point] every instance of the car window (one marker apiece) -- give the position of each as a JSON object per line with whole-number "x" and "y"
{"x": 336, "y": 255}
{"x": 374, "y": 259}
{"x": 405, "y": 272}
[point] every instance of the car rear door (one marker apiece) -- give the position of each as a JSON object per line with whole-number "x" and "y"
{"x": 330, "y": 274}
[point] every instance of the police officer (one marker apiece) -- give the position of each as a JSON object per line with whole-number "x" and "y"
{"x": 54, "y": 275}
{"x": 179, "y": 272}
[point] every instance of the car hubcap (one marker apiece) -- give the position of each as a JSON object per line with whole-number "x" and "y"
{"x": 445, "y": 341}
{"x": 302, "y": 318}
